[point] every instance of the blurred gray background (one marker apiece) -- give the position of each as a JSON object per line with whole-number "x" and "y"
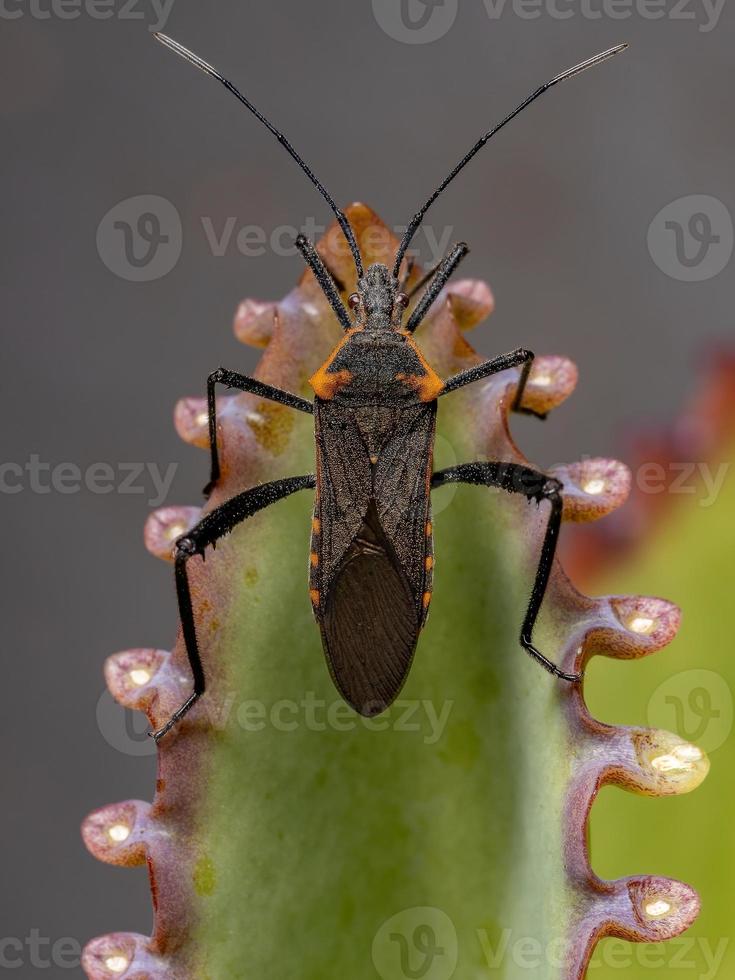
{"x": 557, "y": 212}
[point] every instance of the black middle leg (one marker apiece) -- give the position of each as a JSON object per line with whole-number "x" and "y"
{"x": 517, "y": 358}
{"x": 243, "y": 383}
{"x": 213, "y": 526}
{"x": 534, "y": 485}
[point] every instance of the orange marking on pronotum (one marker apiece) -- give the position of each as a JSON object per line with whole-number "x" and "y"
{"x": 427, "y": 599}
{"x": 428, "y": 384}
{"x": 314, "y": 596}
{"x": 327, "y": 383}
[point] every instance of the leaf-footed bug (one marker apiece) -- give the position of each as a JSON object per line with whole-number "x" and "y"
{"x": 374, "y": 414}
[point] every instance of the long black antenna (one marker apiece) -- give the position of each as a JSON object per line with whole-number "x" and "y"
{"x": 209, "y": 70}
{"x": 419, "y": 216}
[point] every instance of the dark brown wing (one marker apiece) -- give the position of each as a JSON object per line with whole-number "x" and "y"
{"x": 343, "y": 490}
{"x": 369, "y": 569}
{"x": 401, "y": 485}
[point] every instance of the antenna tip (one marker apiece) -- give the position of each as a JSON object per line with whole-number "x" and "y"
{"x": 166, "y": 41}
{"x": 589, "y": 63}
{"x": 611, "y": 52}
{"x": 187, "y": 55}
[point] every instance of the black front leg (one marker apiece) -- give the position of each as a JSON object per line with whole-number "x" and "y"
{"x": 535, "y": 486}
{"x": 243, "y": 383}
{"x": 517, "y": 358}
{"x": 325, "y": 279}
{"x": 208, "y": 531}
{"x": 444, "y": 272}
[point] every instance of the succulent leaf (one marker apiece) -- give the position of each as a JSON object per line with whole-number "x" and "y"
{"x": 288, "y": 837}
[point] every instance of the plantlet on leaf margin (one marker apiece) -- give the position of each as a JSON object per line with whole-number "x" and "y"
{"x": 374, "y": 418}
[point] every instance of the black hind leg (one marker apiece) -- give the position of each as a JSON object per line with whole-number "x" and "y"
{"x": 208, "y": 531}
{"x": 535, "y": 486}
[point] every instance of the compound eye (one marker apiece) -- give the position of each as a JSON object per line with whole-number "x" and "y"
{"x": 402, "y": 300}
{"x": 354, "y": 301}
